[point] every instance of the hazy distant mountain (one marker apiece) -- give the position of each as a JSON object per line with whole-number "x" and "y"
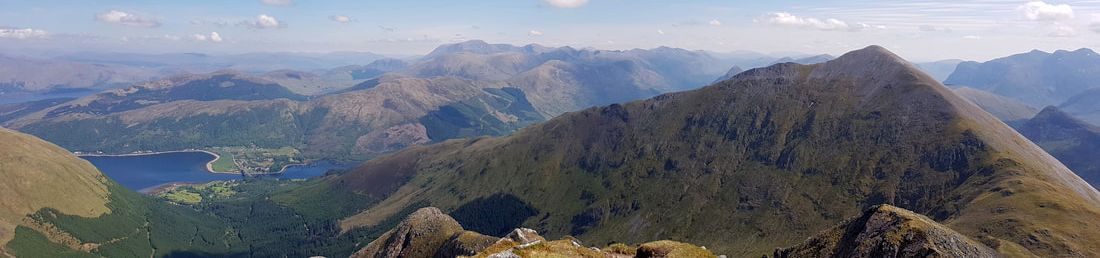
{"x": 1085, "y": 105}
{"x": 1037, "y": 78}
{"x": 785, "y": 152}
{"x": 1004, "y": 108}
{"x": 940, "y": 70}
{"x": 1074, "y": 142}
{"x": 248, "y": 62}
{"x": 729, "y": 74}
{"x": 804, "y": 60}
{"x": 238, "y": 110}
{"x": 20, "y": 76}
{"x": 564, "y": 79}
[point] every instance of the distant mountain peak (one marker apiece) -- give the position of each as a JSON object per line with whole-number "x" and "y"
{"x": 1052, "y": 114}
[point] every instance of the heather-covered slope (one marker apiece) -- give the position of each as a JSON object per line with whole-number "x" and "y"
{"x": 771, "y": 156}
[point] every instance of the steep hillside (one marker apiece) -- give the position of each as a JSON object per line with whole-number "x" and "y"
{"x": 1074, "y": 142}
{"x": 1006, "y": 109}
{"x": 17, "y": 110}
{"x": 57, "y": 205}
{"x": 771, "y": 156}
{"x": 1037, "y": 78}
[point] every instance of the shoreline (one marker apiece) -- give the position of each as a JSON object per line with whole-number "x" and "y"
{"x": 209, "y": 164}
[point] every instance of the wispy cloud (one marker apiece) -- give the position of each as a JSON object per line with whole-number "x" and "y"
{"x": 277, "y": 2}
{"x": 128, "y": 19}
{"x": 340, "y": 18}
{"x": 566, "y": 3}
{"x": 534, "y": 33}
{"x": 264, "y": 22}
{"x": 24, "y": 33}
{"x": 790, "y": 20}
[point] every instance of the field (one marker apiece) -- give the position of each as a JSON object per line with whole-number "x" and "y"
{"x": 253, "y": 160}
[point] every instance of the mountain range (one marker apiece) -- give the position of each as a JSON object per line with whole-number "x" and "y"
{"x": 451, "y": 93}
{"x": 772, "y": 156}
{"x": 1036, "y": 78}
{"x": 863, "y": 155}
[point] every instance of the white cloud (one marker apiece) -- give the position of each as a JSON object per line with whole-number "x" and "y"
{"x": 662, "y": 32}
{"x": 1061, "y": 31}
{"x": 128, "y": 19}
{"x": 277, "y": 2}
{"x": 25, "y": 33}
{"x": 264, "y": 22}
{"x": 790, "y": 20}
{"x": 534, "y": 33}
{"x": 1095, "y": 27}
{"x": 566, "y": 3}
{"x": 340, "y": 18}
{"x": 1042, "y": 11}
{"x": 213, "y": 37}
{"x": 931, "y": 28}
{"x": 972, "y": 37}
{"x": 715, "y": 23}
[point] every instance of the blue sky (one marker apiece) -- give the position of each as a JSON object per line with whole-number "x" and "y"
{"x": 919, "y": 30}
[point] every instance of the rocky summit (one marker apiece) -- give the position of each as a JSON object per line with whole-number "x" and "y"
{"x": 888, "y": 231}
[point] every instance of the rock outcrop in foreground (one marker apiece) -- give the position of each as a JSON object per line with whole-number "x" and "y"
{"x": 426, "y": 233}
{"x": 888, "y": 231}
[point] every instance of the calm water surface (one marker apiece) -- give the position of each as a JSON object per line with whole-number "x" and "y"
{"x": 148, "y": 171}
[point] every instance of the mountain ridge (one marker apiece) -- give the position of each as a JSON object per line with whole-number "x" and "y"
{"x": 771, "y": 128}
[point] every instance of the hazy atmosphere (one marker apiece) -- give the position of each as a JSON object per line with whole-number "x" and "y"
{"x": 549, "y": 128}
{"x": 921, "y": 30}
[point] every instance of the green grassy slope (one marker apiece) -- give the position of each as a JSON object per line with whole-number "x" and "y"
{"x": 55, "y": 204}
{"x": 758, "y": 162}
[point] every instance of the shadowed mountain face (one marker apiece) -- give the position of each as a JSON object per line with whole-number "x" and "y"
{"x": 771, "y": 156}
{"x": 1074, "y": 142}
{"x": 1037, "y": 78}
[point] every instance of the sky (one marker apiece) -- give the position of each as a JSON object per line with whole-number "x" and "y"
{"x": 920, "y": 30}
